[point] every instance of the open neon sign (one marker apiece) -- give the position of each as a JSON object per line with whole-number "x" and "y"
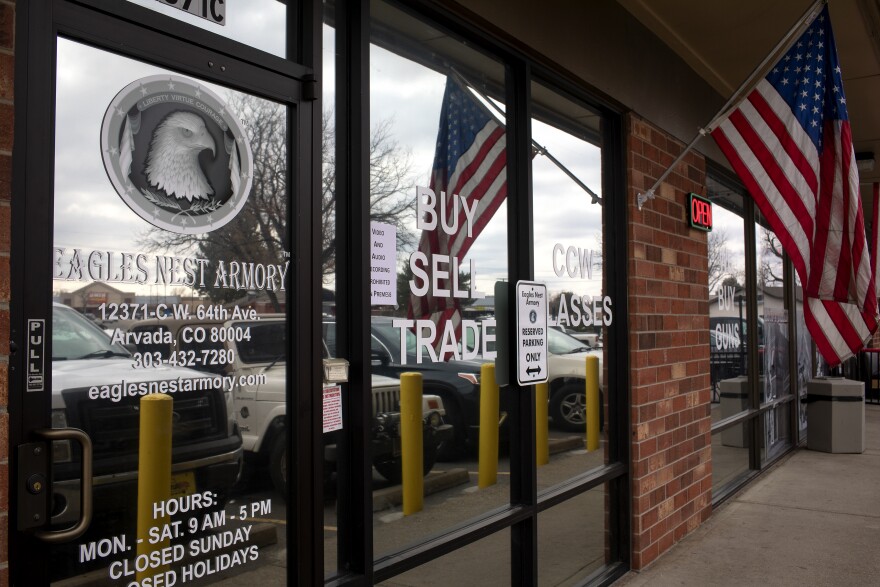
{"x": 699, "y": 212}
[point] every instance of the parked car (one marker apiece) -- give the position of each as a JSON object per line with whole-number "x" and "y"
{"x": 457, "y": 383}
{"x": 566, "y": 363}
{"x": 87, "y": 393}
{"x": 255, "y": 352}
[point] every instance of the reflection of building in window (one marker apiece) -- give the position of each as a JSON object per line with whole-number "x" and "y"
{"x": 88, "y": 299}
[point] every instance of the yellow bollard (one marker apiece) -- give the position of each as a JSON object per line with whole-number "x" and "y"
{"x": 411, "y": 442}
{"x": 154, "y": 473}
{"x": 542, "y": 435}
{"x": 592, "y": 407}
{"x": 489, "y": 413}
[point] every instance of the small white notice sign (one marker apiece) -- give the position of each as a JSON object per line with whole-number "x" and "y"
{"x": 383, "y": 264}
{"x": 531, "y": 332}
{"x": 332, "y": 408}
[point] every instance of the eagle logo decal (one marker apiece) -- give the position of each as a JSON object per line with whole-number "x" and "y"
{"x": 175, "y": 155}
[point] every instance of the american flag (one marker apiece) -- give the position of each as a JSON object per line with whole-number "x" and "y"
{"x": 790, "y": 142}
{"x": 470, "y": 161}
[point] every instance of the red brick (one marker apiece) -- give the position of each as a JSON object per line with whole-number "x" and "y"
{"x": 4, "y": 497}
{"x": 6, "y": 127}
{"x": 7, "y": 63}
{"x": 5, "y": 177}
{"x": 7, "y": 26}
{"x": 4, "y": 384}
{"x": 4, "y": 436}
{"x": 5, "y": 227}
{"x": 4, "y": 332}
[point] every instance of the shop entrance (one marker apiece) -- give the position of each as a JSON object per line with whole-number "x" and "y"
{"x": 158, "y": 172}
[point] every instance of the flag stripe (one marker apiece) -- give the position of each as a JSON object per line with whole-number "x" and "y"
{"x": 752, "y": 147}
{"x": 470, "y": 166}
{"x": 790, "y": 142}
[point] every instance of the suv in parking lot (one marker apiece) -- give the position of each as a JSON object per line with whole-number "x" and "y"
{"x": 457, "y": 383}
{"x": 566, "y": 363}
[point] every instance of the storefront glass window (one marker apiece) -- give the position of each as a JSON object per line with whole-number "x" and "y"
{"x": 485, "y": 562}
{"x": 170, "y": 251}
{"x": 329, "y": 292}
{"x": 438, "y": 187}
{"x": 572, "y": 539}
{"x": 568, "y": 246}
{"x": 728, "y": 311}
{"x": 774, "y": 347}
{"x": 728, "y": 334}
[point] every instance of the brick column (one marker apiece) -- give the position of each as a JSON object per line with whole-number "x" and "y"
{"x": 7, "y": 39}
{"x": 669, "y": 347}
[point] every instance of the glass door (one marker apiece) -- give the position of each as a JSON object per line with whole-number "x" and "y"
{"x": 156, "y": 445}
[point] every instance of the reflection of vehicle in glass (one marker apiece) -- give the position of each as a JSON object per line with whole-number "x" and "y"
{"x": 96, "y": 389}
{"x": 456, "y": 382}
{"x": 566, "y": 362}
{"x": 255, "y": 353}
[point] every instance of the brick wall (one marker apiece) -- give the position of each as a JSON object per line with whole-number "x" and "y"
{"x": 7, "y": 38}
{"x": 669, "y": 347}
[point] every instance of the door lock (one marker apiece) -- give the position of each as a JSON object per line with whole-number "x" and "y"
{"x": 36, "y": 483}
{"x": 34, "y": 494}
{"x": 33, "y": 470}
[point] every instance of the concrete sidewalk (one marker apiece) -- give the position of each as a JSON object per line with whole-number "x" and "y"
{"x": 813, "y": 519}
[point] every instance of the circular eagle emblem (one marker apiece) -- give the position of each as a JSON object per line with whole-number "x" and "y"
{"x": 175, "y": 155}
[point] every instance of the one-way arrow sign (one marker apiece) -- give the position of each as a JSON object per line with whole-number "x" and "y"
{"x": 531, "y": 332}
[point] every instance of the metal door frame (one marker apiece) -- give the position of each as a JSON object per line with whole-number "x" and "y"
{"x": 139, "y": 33}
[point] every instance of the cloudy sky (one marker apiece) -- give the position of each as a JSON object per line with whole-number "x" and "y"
{"x": 90, "y": 215}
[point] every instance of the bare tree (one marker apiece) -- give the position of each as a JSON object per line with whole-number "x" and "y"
{"x": 770, "y": 269}
{"x": 258, "y": 233}
{"x": 719, "y": 258}
{"x": 392, "y": 193}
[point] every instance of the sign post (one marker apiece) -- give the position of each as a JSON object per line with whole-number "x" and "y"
{"x": 531, "y": 332}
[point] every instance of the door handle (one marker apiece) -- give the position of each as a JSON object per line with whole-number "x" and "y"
{"x": 85, "y": 484}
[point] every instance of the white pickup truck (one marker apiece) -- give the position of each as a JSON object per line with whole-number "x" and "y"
{"x": 96, "y": 388}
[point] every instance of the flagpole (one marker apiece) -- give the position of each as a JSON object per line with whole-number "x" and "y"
{"x": 760, "y": 71}
{"x": 538, "y": 148}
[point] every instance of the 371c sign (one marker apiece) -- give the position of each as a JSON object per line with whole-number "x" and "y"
{"x": 213, "y": 10}
{"x": 699, "y": 212}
